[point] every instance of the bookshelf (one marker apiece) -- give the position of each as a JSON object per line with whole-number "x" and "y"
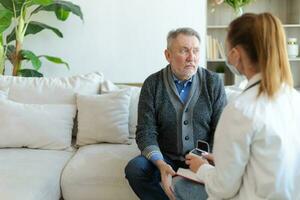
{"x": 287, "y": 11}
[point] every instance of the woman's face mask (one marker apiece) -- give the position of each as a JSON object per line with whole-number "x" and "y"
{"x": 231, "y": 67}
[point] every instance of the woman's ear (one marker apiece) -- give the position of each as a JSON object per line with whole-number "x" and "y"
{"x": 236, "y": 53}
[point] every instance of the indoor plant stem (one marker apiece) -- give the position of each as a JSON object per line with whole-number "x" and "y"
{"x": 17, "y": 58}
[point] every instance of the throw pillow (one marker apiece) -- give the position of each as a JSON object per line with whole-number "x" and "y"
{"x": 36, "y": 126}
{"x": 103, "y": 118}
{"x": 50, "y": 90}
{"x": 55, "y": 90}
{"x": 107, "y": 86}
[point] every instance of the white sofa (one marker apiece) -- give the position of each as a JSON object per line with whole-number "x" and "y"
{"x": 90, "y": 169}
{"x": 48, "y": 170}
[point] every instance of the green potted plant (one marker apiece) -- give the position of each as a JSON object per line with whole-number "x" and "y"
{"x": 16, "y": 15}
{"x": 236, "y": 5}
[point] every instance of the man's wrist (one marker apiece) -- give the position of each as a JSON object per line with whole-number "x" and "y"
{"x": 160, "y": 163}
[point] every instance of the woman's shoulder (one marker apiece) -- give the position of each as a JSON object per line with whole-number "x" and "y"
{"x": 261, "y": 106}
{"x": 247, "y": 102}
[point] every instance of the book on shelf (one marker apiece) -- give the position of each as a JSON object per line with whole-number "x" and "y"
{"x": 221, "y": 50}
{"x": 207, "y": 46}
{"x": 188, "y": 174}
{"x": 214, "y": 49}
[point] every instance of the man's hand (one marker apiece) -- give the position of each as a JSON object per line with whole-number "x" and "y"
{"x": 166, "y": 173}
{"x": 194, "y": 162}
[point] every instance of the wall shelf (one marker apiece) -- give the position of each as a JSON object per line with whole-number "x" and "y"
{"x": 291, "y": 25}
{"x": 217, "y": 26}
{"x": 216, "y": 60}
{"x": 223, "y": 60}
{"x": 294, "y": 59}
{"x": 217, "y": 23}
{"x": 226, "y": 26}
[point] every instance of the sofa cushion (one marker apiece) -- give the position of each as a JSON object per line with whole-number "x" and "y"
{"x": 50, "y": 90}
{"x": 107, "y": 86}
{"x": 97, "y": 172}
{"x": 103, "y": 118}
{"x": 46, "y": 126}
{"x": 133, "y": 110}
{"x": 31, "y": 174}
{"x": 3, "y": 94}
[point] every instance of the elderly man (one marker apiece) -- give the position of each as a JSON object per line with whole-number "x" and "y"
{"x": 178, "y": 105}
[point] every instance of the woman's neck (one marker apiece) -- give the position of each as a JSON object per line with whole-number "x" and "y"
{"x": 250, "y": 75}
{"x": 250, "y": 70}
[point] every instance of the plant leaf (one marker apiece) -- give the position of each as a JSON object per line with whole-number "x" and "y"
{"x": 61, "y": 14}
{"x": 8, "y": 4}
{"x": 29, "y": 73}
{"x": 42, "y": 2}
{"x": 11, "y": 37}
{"x": 65, "y": 5}
{"x": 34, "y": 28}
{"x": 10, "y": 49}
{"x": 2, "y": 57}
{"x": 35, "y": 61}
{"x": 56, "y": 60}
{"x": 5, "y": 18}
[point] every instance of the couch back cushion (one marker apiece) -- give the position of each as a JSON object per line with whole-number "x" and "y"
{"x": 47, "y": 126}
{"x": 103, "y": 118}
{"x": 108, "y": 87}
{"x": 50, "y": 90}
{"x": 55, "y": 90}
{"x": 3, "y": 94}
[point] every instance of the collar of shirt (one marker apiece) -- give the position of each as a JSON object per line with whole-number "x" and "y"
{"x": 184, "y": 82}
{"x": 183, "y": 88}
{"x": 254, "y": 79}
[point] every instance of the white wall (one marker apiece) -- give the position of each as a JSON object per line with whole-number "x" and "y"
{"x": 124, "y": 39}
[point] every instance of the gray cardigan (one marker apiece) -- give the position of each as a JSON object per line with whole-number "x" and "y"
{"x": 167, "y": 125}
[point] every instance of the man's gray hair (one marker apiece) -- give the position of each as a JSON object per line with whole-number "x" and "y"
{"x": 185, "y": 31}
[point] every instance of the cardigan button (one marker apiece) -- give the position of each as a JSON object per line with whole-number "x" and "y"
{"x": 185, "y": 122}
{"x": 187, "y": 137}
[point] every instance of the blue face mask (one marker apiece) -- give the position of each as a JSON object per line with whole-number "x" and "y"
{"x": 232, "y": 68}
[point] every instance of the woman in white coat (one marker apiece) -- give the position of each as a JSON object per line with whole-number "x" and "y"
{"x": 256, "y": 151}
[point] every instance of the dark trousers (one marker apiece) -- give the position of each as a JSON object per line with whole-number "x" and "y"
{"x": 144, "y": 177}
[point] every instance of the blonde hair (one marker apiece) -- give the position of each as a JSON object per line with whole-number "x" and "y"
{"x": 263, "y": 38}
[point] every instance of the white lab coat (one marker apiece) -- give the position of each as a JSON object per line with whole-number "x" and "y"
{"x": 256, "y": 148}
